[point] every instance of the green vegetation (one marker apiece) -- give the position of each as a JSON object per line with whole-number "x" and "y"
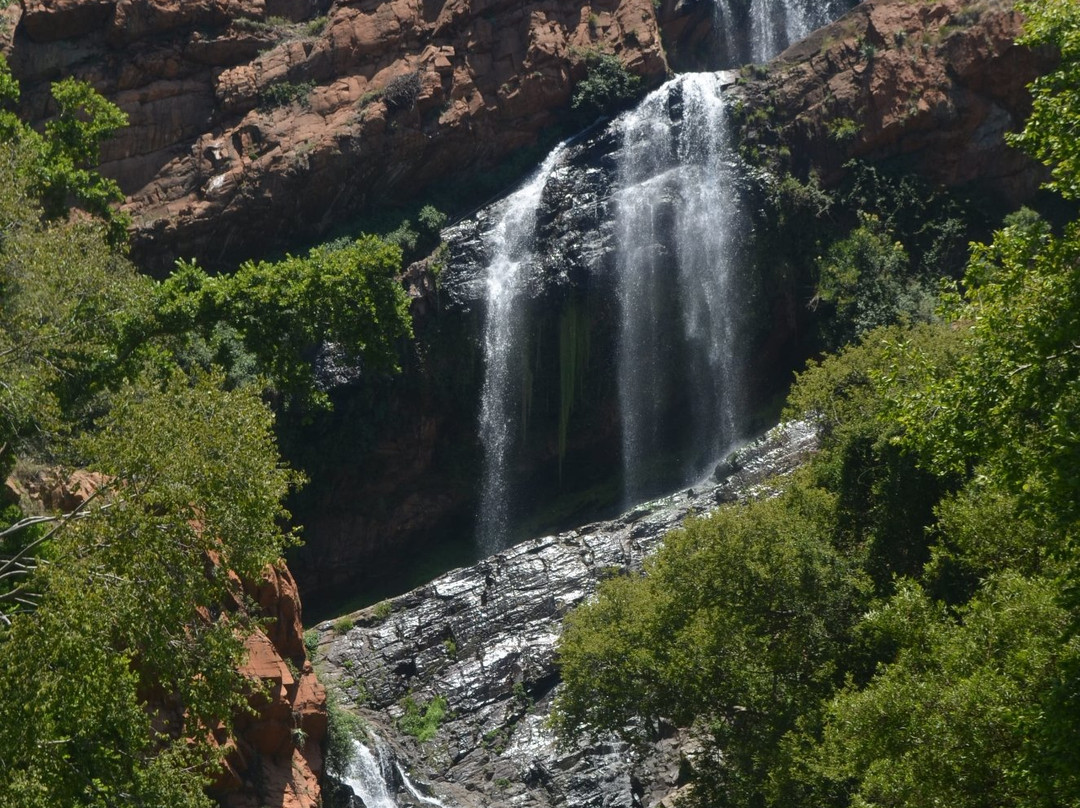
{"x": 311, "y": 642}
{"x": 57, "y": 166}
{"x": 422, "y": 720}
{"x": 284, "y": 93}
{"x": 343, "y": 625}
{"x": 120, "y": 662}
{"x": 898, "y": 625}
{"x": 608, "y": 88}
{"x": 275, "y": 312}
{"x": 342, "y": 728}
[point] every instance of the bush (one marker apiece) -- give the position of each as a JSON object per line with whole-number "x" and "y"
{"x": 401, "y": 92}
{"x": 285, "y": 93}
{"x": 607, "y": 88}
{"x": 342, "y": 728}
{"x": 422, "y": 722}
{"x": 343, "y": 625}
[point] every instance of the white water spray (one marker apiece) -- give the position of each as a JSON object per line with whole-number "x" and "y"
{"x": 512, "y": 241}
{"x": 367, "y": 778}
{"x": 370, "y": 777}
{"x": 679, "y": 228}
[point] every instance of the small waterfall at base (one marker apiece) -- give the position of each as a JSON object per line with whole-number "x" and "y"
{"x": 367, "y": 777}
{"x": 757, "y": 30}
{"x": 511, "y": 243}
{"x": 679, "y": 231}
{"x": 372, "y": 777}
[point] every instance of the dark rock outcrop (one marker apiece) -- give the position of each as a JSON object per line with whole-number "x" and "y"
{"x": 483, "y": 638}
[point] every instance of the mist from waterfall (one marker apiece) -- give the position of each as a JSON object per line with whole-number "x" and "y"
{"x": 756, "y": 30}
{"x": 512, "y": 241}
{"x": 679, "y": 230}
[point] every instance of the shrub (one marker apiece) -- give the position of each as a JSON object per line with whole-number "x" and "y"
{"x": 607, "y": 88}
{"x": 422, "y": 722}
{"x": 343, "y": 624}
{"x": 342, "y": 728}
{"x": 311, "y": 641}
{"x": 402, "y": 91}
{"x": 284, "y": 93}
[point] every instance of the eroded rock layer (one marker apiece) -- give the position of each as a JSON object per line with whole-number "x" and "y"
{"x": 256, "y": 123}
{"x": 927, "y": 88}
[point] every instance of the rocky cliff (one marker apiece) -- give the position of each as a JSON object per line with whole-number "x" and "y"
{"x": 927, "y": 88}
{"x": 483, "y": 638}
{"x": 259, "y": 123}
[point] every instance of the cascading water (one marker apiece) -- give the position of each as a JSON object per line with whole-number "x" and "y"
{"x": 367, "y": 778}
{"x": 678, "y": 229}
{"x": 511, "y": 243}
{"x": 757, "y": 30}
{"x": 371, "y": 774}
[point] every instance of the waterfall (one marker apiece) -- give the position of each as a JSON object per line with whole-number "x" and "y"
{"x": 511, "y": 245}
{"x": 371, "y": 778}
{"x": 757, "y": 30}
{"x": 678, "y": 228}
{"x": 367, "y": 776}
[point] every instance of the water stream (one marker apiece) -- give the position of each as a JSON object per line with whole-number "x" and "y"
{"x": 372, "y": 778}
{"x": 367, "y": 777}
{"x": 679, "y": 233}
{"x": 679, "y": 228}
{"x": 512, "y": 242}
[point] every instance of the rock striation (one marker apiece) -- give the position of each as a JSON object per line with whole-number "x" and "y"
{"x": 483, "y": 638}
{"x": 259, "y": 123}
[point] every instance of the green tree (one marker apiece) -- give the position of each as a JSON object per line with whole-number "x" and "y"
{"x": 281, "y": 311}
{"x": 117, "y": 679}
{"x": 737, "y": 625}
{"x": 62, "y": 171}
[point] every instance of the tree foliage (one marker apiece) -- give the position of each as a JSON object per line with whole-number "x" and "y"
{"x": 949, "y": 458}
{"x": 281, "y": 311}
{"x": 62, "y": 165}
{"x": 122, "y": 623}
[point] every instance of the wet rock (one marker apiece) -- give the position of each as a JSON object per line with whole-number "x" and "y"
{"x": 483, "y": 638}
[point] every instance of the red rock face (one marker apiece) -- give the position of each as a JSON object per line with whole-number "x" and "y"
{"x": 276, "y": 755}
{"x": 933, "y": 87}
{"x": 219, "y": 164}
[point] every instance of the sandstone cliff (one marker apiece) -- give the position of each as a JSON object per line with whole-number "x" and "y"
{"x": 257, "y": 123}
{"x": 928, "y": 88}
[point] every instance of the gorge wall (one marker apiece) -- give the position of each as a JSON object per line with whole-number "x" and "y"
{"x": 926, "y": 88}
{"x": 259, "y": 123}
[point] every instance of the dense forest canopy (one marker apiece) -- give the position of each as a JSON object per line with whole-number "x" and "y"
{"x": 897, "y": 624}
{"x": 121, "y": 627}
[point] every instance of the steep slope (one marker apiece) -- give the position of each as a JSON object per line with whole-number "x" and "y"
{"x": 928, "y": 88}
